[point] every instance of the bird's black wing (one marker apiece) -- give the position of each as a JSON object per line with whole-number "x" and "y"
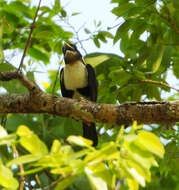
{"x": 92, "y": 83}
{"x": 65, "y": 92}
{"x": 89, "y": 128}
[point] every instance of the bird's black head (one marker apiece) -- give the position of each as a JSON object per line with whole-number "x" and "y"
{"x": 71, "y": 53}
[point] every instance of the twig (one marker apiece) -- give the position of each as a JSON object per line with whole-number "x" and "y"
{"x": 38, "y": 180}
{"x": 56, "y": 78}
{"x": 86, "y": 39}
{"x": 82, "y": 26}
{"x": 112, "y": 27}
{"x": 149, "y": 81}
{"x": 21, "y": 169}
{"x": 172, "y": 25}
{"x": 56, "y": 182}
{"x": 123, "y": 86}
{"x": 77, "y": 35}
{"x": 49, "y": 175}
{"x": 170, "y": 44}
{"x": 29, "y": 37}
{"x": 52, "y": 184}
{"x": 159, "y": 83}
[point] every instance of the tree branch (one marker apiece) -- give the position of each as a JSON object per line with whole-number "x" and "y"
{"x": 142, "y": 112}
{"x": 158, "y": 83}
{"x": 38, "y": 101}
{"x": 9, "y": 75}
{"x": 168, "y": 21}
{"x": 29, "y": 37}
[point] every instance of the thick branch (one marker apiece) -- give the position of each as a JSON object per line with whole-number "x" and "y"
{"x": 38, "y": 101}
{"x": 142, "y": 112}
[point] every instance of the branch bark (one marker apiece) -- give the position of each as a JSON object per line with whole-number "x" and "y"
{"x": 142, "y": 112}
{"x": 38, "y": 101}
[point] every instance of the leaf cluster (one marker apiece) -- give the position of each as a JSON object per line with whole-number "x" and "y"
{"x": 148, "y": 37}
{"x": 131, "y": 156}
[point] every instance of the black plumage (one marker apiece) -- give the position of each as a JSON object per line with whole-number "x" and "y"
{"x": 77, "y": 80}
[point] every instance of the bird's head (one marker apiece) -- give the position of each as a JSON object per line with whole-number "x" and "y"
{"x": 71, "y": 53}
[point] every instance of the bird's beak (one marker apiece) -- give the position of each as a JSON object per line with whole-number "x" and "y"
{"x": 68, "y": 46}
{"x": 71, "y": 54}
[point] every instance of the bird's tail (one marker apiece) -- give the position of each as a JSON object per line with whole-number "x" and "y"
{"x": 89, "y": 132}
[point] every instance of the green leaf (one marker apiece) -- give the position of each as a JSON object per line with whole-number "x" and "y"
{"x": 6, "y": 67}
{"x": 96, "y": 182}
{"x": 107, "y": 34}
{"x": 157, "y": 61}
{"x": 6, "y": 139}
{"x": 57, "y": 4}
{"x": 120, "y": 76}
{"x": 45, "y": 9}
{"x": 101, "y": 36}
{"x": 139, "y": 28}
{"x": 55, "y": 146}
{"x": 14, "y": 86}
{"x": 87, "y": 31}
{"x": 3, "y": 132}
{"x": 134, "y": 12}
{"x": 100, "y": 170}
{"x": 30, "y": 141}
{"x": 132, "y": 184}
{"x": 151, "y": 142}
{"x": 99, "y": 24}
{"x": 140, "y": 159}
{"x": 155, "y": 58}
{"x": 75, "y": 14}
{"x": 96, "y": 60}
{"x": 64, "y": 183}
{"x": 139, "y": 75}
{"x": 123, "y": 9}
{"x": 21, "y": 9}
{"x": 122, "y": 30}
{"x": 14, "y": 120}
{"x": 45, "y": 34}
{"x": 1, "y": 44}
{"x": 80, "y": 182}
{"x": 80, "y": 141}
{"x": 28, "y": 158}
{"x": 106, "y": 153}
{"x": 64, "y": 13}
{"x": 137, "y": 172}
{"x": 6, "y": 178}
{"x": 166, "y": 59}
{"x": 152, "y": 91}
{"x": 176, "y": 68}
{"x": 96, "y": 41}
{"x": 38, "y": 54}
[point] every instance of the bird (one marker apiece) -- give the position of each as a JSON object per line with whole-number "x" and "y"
{"x": 78, "y": 80}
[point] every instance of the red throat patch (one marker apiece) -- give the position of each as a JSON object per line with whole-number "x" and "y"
{"x": 87, "y": 122}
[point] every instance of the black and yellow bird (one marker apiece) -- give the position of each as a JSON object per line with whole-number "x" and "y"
{"x": 77, "y": 80}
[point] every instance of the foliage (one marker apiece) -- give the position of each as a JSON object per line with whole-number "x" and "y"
{"x": 131, "y": 156}
{"x": 148, "y": 36}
